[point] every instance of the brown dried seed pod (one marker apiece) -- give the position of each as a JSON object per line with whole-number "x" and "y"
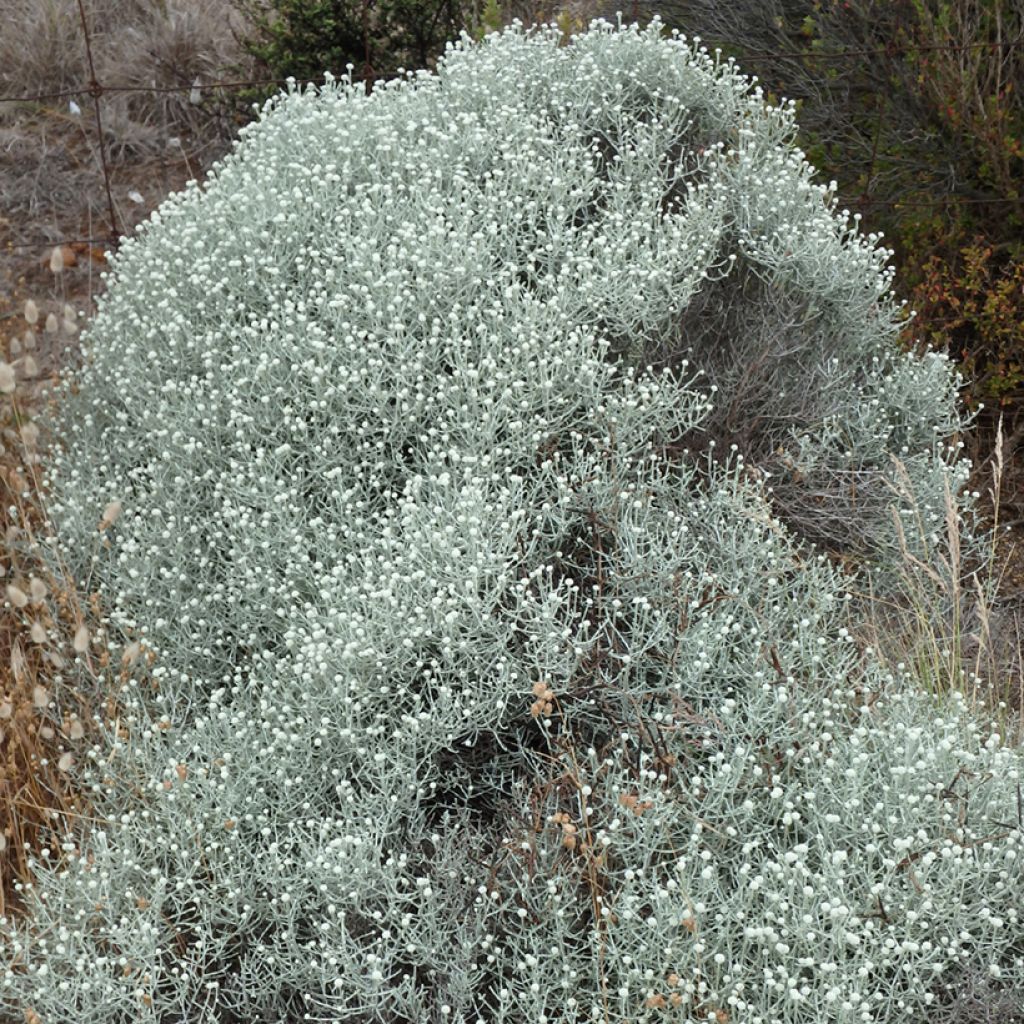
{"x": 30, "y": 434}
{"x": 81, "y": 640}
{"x": 110, "y": 514}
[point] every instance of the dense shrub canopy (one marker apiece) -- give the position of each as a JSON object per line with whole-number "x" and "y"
{"x": 482, "y": 685}
{"x": 916, "y": 107}
{"x": 303, "y": 38}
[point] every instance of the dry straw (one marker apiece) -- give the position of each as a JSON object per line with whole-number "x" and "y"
{"x": 946, "y": 623}
{"x": 42, "y": 722}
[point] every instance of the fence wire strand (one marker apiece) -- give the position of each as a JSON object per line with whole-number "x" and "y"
{"x": 96, "y": 91}
{"x": 876, "y": 51}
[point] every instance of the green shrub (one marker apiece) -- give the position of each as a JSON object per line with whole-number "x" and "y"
{"x": 304, "y": 38}
{"x": 969, "y": 297}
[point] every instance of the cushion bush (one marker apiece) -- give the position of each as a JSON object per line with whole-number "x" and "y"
{"x": 476, "y": 443}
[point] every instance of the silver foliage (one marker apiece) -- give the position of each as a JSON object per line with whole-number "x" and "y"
{"x": 483, "y": 687}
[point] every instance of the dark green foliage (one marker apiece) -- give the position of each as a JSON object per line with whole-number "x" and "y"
{"x": 304, "y": 38}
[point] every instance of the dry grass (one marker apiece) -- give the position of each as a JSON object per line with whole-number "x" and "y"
{"x": 956, "y": 618}
{"x": 51, "y": 183}
{"x": 44, "y": 624}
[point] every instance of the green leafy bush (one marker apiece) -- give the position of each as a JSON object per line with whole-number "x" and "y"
{"x": 304, "y": 38}
{"x": 479, "y": 685}
{"x": 973, "y": 299}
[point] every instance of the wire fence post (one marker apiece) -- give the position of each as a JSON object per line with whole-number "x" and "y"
{"x": 96, "y": 91}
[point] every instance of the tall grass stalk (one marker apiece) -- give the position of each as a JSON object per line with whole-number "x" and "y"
{"x": 943, "y": 624}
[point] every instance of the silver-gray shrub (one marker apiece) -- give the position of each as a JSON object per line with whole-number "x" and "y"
{"x": 477, "y": 685}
